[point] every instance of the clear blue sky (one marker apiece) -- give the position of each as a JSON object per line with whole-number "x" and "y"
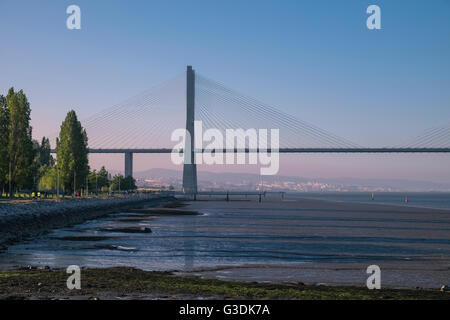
{"x": 313, "y": 59}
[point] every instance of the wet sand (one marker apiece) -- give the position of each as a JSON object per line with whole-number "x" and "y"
{"x": 293, "y": 240}
{"x": 410, "y": 245}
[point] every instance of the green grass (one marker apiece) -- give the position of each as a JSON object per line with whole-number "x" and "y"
{"x": 128, "y": 281}
{"x": 27, "y": 197}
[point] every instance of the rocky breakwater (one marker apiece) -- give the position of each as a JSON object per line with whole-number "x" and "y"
{"x": 27, "y": 219}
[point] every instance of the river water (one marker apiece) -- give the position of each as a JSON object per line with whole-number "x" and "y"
{"x": 415, "y": 199}
{"x": 241, "y": 232}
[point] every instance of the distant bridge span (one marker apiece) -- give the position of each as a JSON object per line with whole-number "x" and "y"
{"x": 129, "y": 152}
{"x": 285, "y": 150}
{"x": 281, "y": 150}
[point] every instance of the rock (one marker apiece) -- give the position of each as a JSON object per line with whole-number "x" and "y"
{"x": 320, "y": 284}
{"x": 27, "y": 268}
{"x": 13, "y": 297}
{"x": 146, "y": 229}
{"x": 21, "y": 220}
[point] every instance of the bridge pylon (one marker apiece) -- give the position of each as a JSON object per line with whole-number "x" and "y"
{"x": 190, "y": 167}
{"x": 128, "y": 164}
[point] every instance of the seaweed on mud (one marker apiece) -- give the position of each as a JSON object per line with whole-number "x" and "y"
{"x": 126, "y": 281}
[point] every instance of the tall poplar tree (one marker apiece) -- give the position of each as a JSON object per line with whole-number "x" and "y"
{"x": 45, "y": 157}
{"x": 43, "y": 160}
{"x": 4, "y": 140}
{"x": 72, "y": 153}
{"x": 20, "y": 144}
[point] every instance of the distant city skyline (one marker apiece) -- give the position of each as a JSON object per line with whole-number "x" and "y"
{"x": 315, "y": 60}
{"x": 207, "y": 181}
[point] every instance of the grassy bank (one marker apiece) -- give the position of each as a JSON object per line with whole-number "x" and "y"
{"x": 113, "y": 283}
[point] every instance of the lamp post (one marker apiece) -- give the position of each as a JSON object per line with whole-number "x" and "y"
{"x": 57, "y": 182}
{"x": 10, "y": 191}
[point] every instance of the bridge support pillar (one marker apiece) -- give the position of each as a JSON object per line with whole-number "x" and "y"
{"x": 128, "y": 164}
{"x": 190, "y": 167}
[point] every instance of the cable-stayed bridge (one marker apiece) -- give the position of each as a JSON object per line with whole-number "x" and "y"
{"x": 144, "y": 124}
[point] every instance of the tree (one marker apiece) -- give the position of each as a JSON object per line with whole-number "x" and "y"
{"x": 45, "y": 157}
{"x": 48, "y": 180}
{"x": 98, "y": 180}
{"x": 43, "y": 160}
{"x": 72, "y": 153}
{"x": 36, "y": 165}
{"x": 20, "y": 143}
{"x": 4, "y": 140}
{"x": 103, "y": 178}
{"x": 121, "y": 183}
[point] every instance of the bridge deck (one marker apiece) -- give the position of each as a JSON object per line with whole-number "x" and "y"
{"x": 285, "y": 150}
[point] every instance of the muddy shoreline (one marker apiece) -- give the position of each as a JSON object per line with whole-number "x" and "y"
{"x": 410, "y": 245}
{"x": 125, "y": 283}
{"x": 25, "y": 220}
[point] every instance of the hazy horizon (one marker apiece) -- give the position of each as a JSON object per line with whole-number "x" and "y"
{"x": 223, "y": 179}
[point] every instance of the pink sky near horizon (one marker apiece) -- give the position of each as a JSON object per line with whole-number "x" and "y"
{"x": 390, "y": 166}
{"x": 425, "y": 167}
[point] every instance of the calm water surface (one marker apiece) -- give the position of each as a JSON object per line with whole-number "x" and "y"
{"x": 246, "y": 232}
{"x": 420, "y": 199}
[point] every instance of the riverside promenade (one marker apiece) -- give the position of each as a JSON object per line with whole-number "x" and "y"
{"x": 24, "y": 219}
